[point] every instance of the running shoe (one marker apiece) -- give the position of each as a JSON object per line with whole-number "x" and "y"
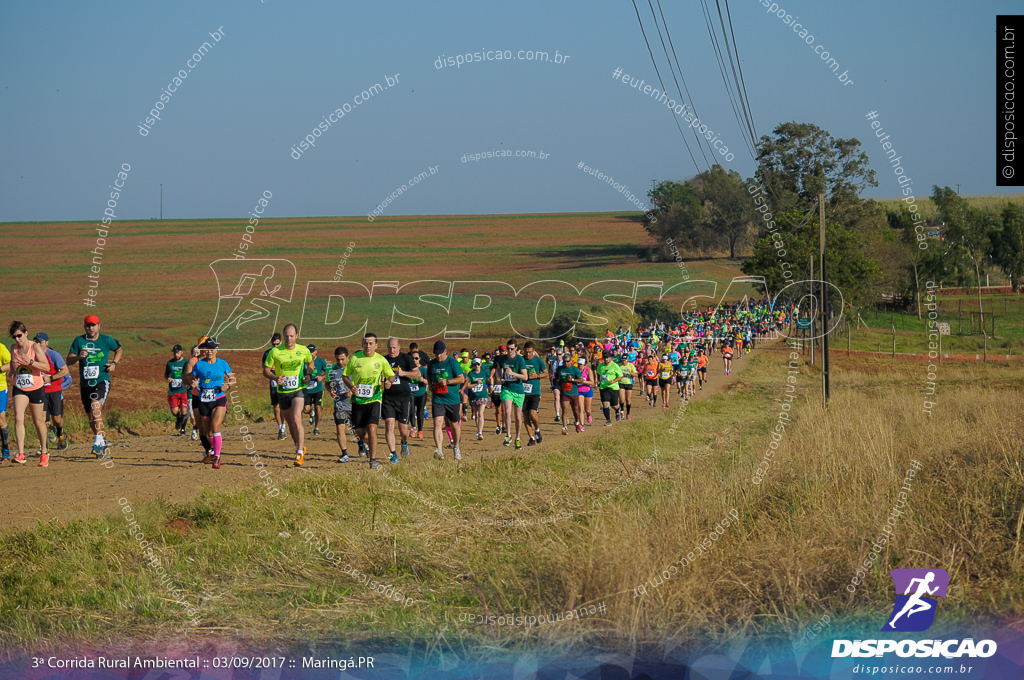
{"x": 479, "y": 436}
{"x": 582, "y": 428}
{"x": 6, "y": 453}
{"x": 590, "y": 419}
{"x": 439, "y": 454}
{"x": 419, "y": 435}
{"x": 208, "y": 458}
{"x": 99, "y": 451}
{"x": 343, "y": 458}
{"x": 458, "y": 453}
{"x": 629, "y": 417}
{"x": 195, "y": 434}
{"x": 558, "y": 418}
{"x": 311, "y": 419}
{"x": 532, "y": 442}
{"x": 364, "y": 450}
{"x": 608, "y": 423}
{"x": 300, "y": 457}
{"x": 413, "y": 433}
{"x": 393, "y": 458}
{"x": 44, "y": 460}
{"x": 518, "y": 445}
{"x": 181, "y": 432}
{"x": 539, "y": 438}
{"x": 281, "y": 434}
{"x": 405, "y": 449}
{"x": 565, "y": 430}
{"x": 51, "y": 436}
{"x": 316, "y": 430}
{"x": 497, "y": 429}
{"x": 20, "y": 458}
{"x": 507, "y": 442}
{"x": 216, "y": 462}
{"x": 374, "y": 465}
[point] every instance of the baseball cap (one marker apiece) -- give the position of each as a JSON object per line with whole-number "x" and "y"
{"x": 502, "y": 347}
{"x": 209, "y": 343}
{"x": 311, "y": 348}
{"x": 581, "y": 360}
{"x": 464, "y": 355}
{"x": 664, "y": 356}
{"x": 41, "y": 337}
{"x": 92, "y": 318}
{"x": 476, "y": 360}
{"x": 439, "y": 347}
{"x": 176, "y": 348}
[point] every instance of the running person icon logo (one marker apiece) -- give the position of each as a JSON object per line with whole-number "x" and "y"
{"x": 250, "y": 296}
{"x": 914, "y": 609}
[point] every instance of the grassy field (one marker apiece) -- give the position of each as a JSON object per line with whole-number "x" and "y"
{"x": 990, "y": 202}
{"x": 156, "y": 287}
{"x": 257, "y": 570}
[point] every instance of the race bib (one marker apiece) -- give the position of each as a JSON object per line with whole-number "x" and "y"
{"x": 527, "y": 388}
{"x": 496, "y": 389}
{"x": 273, "y": 384}
{"x": 291, "y": 382}
{"x": 567, "y": 387}
{"x": 364, "y": 391}
{"x": 477, "y": 388}
{"x": 175, "y": 382}
{"x": 23, "y": 381}
{"x": 91, "y": 372}
{"x": 665, "y": 375}
{"x": 440, "y": 388}
{"x": 208, "y": 395}
{"x": 394, "y": 381}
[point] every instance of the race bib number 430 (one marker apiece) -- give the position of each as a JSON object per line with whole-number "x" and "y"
{"x": 23, "y": 381}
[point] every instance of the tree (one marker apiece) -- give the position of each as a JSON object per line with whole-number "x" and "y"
{"x": 1008, "y": 245}
{"x": 727, "y": 211}
{"x": 966, "y": 228}
{"x": 802, "y": 161}
{"x": 849, "y": 268}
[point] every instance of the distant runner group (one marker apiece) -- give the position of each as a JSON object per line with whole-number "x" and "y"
{"x": 370, "y": 385}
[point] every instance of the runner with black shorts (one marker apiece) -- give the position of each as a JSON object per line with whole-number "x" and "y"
{"x": 536, "y": 370}
{"x": 418, "y": 392}
{"x": 368, "y": 374}
{"x": 57, "y": 380}
{"x": 97, "y": 356}
{"x": 397, "y": 401}
{"x": 28, "y": 365}
{"x": 314, "y": 389}
{"x": 609, "y": 374}
{"x": 287, "y": 364}
{"x": 476, "y": 390}
{"x": 444, "y": 374}
{"x": 213, "y": 377}
{"x": 275, "y": 340}
{"x": 702, "y": 369}
{"x": 341, "y": 394}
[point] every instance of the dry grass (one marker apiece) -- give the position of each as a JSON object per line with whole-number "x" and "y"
{"x": 801, "y": 536}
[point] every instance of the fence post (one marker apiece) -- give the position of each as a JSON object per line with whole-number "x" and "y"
{"x": 848, "y": 330}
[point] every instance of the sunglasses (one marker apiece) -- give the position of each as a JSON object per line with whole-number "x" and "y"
{"x": 18, "y": 336}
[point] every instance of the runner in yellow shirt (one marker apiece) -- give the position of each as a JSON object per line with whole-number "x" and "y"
{"x": 368, "y": 374}
{"x": 287, "y": 365}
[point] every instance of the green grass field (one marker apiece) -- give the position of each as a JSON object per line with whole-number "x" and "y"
{"x": 257, "y": 570}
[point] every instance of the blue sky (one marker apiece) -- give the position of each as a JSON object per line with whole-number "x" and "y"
{"x": 77, "y": 78}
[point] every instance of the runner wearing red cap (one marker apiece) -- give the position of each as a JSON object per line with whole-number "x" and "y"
{"x": 97, "y": 355}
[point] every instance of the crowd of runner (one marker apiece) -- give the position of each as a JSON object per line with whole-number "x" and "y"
{"x": 382, "y": 382}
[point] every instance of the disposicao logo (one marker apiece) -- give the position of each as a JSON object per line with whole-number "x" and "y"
{"x": 914, "y": 611}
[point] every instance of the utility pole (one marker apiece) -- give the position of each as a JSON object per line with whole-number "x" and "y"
{"x": 161, "y": 201}
{"x": 957, "y": 189}
{"x": 813, "y": 304}
{"x": 824, "y": 300}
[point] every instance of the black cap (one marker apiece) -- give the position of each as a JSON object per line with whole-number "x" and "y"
{"x": 210, "y": 343}
{"x": 176, "y": 348}
{"x": 311, "y": 348}
{"x": 439, "y": 347}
